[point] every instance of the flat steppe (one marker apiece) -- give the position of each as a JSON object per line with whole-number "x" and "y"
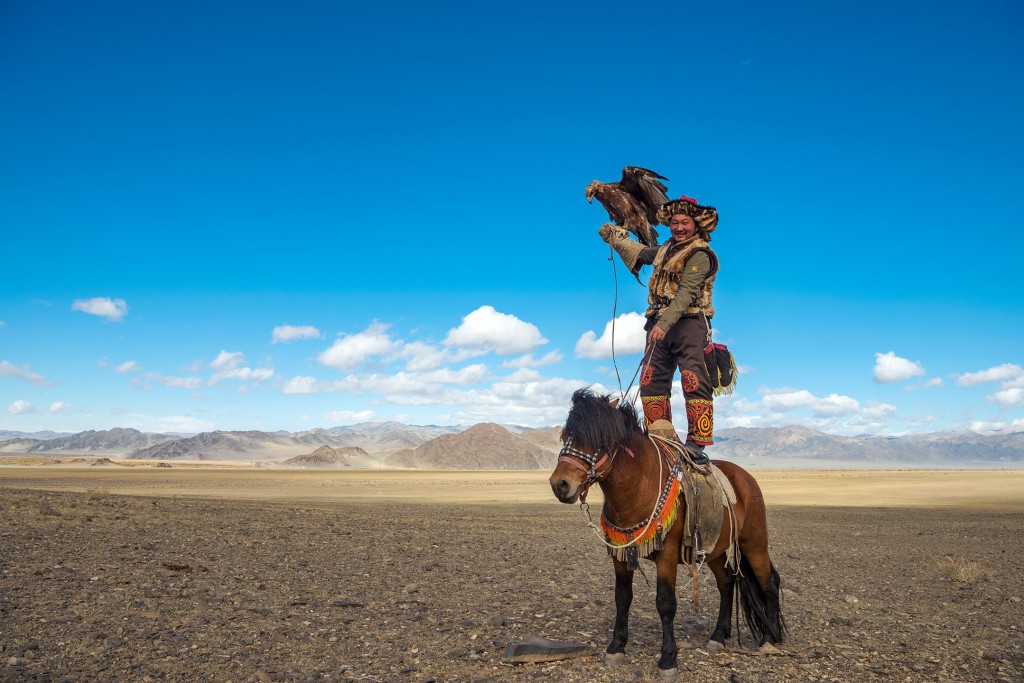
{"x": 234, "y": 574}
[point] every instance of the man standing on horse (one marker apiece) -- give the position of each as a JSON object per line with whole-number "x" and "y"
{"x": 678, "y": 318}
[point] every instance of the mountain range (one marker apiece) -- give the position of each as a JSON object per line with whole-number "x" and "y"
{"x": 497, "y": 447}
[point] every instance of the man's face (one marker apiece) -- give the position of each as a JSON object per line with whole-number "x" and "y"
{"x": 682, "y": 227}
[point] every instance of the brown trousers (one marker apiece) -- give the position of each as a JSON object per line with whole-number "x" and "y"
{"x": 682, "y": 347}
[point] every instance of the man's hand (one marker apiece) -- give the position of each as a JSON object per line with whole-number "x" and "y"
{"x": 655, "y": 335}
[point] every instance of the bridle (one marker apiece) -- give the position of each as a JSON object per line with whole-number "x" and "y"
{"x": 594, "y": 461}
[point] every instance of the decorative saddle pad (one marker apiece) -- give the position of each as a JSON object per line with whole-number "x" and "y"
{"x": 709, "y": 498}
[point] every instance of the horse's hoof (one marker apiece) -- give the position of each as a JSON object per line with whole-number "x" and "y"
{"x": 668, "y": 674}
{"x": 714, "y": 646}
{"x": 614, "y": 659}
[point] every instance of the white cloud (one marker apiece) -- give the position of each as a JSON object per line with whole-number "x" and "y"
{"x": 350, "y": 416}
{"x": 60, "y": 407}
{"x": 8, "y": 369}
{"x": 420, "y": 356}
{"x": 891, "y": 368}
{"x": 129, "y": 366}
{"x": 1014, "y": 396}
{"x": 934, "y": 382}
{"x": 524, "y": 375}
{"x": 471, "y": 374}
{"x": 999, "y": 373}
{"x": 996, "y": 425}
{"x": 181, "y": 382}
{"x": 485, "y": 330}
{"x": 105, "y": 307}
{"x": 186, "y": 424}
{"x": 877, "y": 409}
{"x": 629, "y": 338}
{"x": 832, "y": 405}
{"x": 242, "y": 374}
{"x": 300, "y": 385}
{"x": 287, "y": 333}
{"x": 351, "y": 350}
{"x": 228, "y": 365}
{"x": 227, "y": 359}
{"x": 528, "y": 361}
{"x": 21, "y": 407}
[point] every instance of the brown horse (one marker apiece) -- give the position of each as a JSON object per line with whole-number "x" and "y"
{"x": 604, "y": 443}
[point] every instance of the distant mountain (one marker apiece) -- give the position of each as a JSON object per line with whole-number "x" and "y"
{"x": 327, "y": 457}
{"x": 384, "y": 436}
{"x": 547, "y": 438}
{"x": 937, "y": 449}
{"x": 116, "y": 441}
{"x": 41, "y": 436}
{"x": 250, "y": 445}
{"x": 485, "y": 446}
{"x": 491, "y": 446}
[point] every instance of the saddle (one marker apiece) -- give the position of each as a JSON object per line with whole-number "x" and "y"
{"x": 709, "y": 497}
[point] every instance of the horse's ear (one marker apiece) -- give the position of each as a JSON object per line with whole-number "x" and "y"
{"x": 614, "y": 404}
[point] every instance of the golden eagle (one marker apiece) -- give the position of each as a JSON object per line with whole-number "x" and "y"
{"x": 633, "y": 202}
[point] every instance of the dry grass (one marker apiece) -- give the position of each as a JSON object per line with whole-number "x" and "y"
{"x": 959, "y": 569}
{"x": 97, "y": 494}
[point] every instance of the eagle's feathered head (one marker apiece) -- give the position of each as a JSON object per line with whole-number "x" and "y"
{"x": 592, "y": 190}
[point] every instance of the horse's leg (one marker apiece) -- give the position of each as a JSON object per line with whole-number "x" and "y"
{"x": 667, "y": 561}
{"x": 726, "y": 581}
{"x": 623, "y": 599}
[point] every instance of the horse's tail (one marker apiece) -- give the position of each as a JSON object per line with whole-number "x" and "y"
{"x": 762, "y": 609}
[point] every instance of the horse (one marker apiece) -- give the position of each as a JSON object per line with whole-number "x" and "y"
{"x": 603, "y": 442}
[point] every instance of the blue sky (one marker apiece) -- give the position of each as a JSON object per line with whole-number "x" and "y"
{"x": 283, "y": 216}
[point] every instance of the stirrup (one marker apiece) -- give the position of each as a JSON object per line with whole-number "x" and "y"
{"x": 699, "y": 457}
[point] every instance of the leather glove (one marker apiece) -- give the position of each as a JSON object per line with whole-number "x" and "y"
{"x": 628, "y": 249}
{"x": 612, "y": 233}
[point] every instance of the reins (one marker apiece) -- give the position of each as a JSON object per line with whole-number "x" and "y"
{"x": 615, "y": 311}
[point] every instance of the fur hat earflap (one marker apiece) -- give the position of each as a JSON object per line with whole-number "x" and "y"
{"x": 706, "y": 217}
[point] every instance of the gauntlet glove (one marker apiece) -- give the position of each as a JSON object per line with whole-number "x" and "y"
{"x": 628, "y": 249}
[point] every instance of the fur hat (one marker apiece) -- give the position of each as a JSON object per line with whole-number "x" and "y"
{"x": 706, "y": 217}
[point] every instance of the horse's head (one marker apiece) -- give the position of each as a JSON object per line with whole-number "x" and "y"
{"x": 595, "y": 429}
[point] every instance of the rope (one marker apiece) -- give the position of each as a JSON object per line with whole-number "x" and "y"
{"x": 615, "y": 311}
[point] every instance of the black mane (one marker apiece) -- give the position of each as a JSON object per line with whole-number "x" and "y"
{"x": 595, "y": 425}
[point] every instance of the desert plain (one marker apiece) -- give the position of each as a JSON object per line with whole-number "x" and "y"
{"x": 234, "y": 574}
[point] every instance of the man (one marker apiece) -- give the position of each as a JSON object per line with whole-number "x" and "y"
{"x": 678, "y": 318}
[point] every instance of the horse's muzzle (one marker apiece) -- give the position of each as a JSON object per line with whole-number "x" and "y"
{"x": 564, "y": 490}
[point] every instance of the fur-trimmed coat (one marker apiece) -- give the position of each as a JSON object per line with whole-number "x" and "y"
{"x": 682, "y": 281}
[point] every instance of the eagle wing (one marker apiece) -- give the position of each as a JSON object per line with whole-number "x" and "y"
{"x": 646, "y": 186}
{"x": 633, "y": 201}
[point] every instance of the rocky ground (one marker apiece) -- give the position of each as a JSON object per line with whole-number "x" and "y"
{"x": 100, "y": 587}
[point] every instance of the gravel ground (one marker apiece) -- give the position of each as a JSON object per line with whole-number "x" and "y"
{"x": 100, "y": 587}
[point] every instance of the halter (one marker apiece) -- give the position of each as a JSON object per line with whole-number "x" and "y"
{"x": 572, "y": 456}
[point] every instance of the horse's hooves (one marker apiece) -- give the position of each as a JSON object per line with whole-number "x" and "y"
{"x": 714, "y": 646}
{"x": 614, "y": 659}
{"x": 668, "y": 674}
{"x": 768, "y": 649}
